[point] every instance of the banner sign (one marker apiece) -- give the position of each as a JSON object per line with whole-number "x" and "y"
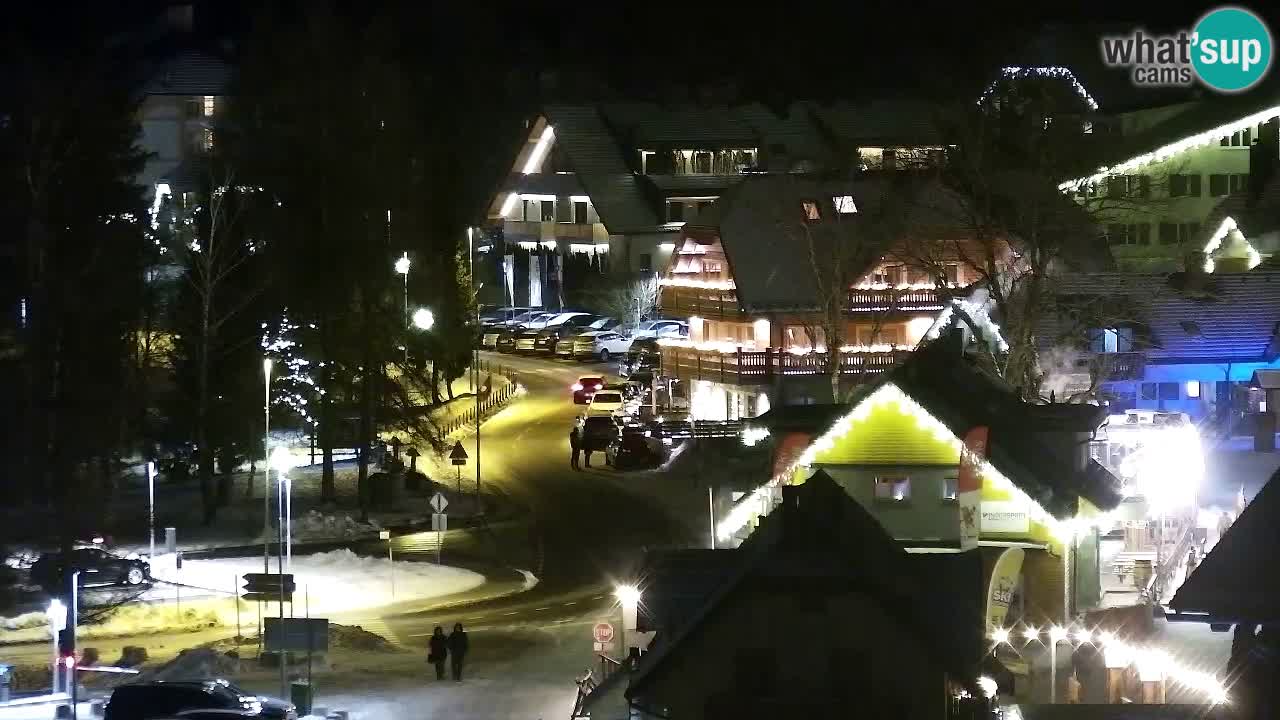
{"x": 969, "y": 486}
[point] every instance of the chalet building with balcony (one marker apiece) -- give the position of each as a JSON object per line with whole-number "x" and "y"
{"x": 618, "y": 181}
{"x": 819, "y": 611}
{"x": 1190, "y": 341}
{"x": 748, "y": 274}
{"x": 948, "y": 459}
{"x": 1168, "y": 172}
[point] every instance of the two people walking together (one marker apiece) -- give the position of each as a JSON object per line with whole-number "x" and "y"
{"x": 452, "y": 647}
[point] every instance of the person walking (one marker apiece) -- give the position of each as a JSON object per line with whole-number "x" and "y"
{"x": 438, "y": 651}
{"x": 457, "y": 650}
{"x": 575, "y": 446}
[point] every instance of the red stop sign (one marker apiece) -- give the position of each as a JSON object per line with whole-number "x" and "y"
{"x": 602, "y": 632}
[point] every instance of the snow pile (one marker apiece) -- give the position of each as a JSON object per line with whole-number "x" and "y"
{"x": 194, "y": 664}
{"x": 315, "y": 525}
{"x": 25, "y": 620}
{"x": 334, "y": 581}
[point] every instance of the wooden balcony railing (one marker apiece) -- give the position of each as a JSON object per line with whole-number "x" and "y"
{"x": 748, "y": 367}
{"x": 869, "y": 300}
{"x": 677, "y": 301}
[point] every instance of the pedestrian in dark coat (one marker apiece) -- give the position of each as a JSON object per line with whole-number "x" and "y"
{"x": 438, "y": 651}
{"x": 457, "y": 650}
{"x": 575, "y": 446}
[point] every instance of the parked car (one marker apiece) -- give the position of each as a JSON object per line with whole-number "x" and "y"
{"x": 496, "y": 316}
{"x": 192, "y": 698}
{"x": 549, "y": 337}
{"x": 585, "y": 388}
{"x": 96, "y": 566}
{"x": 567, "y": 346}
{"x": 527, "y": 341}
{"x": 539, "y": 321}
{"x": 506, "y": 340}
{"x": 634, "y": 451}
{"x": 602, "y": 345}
{"x": 613, "y": 400}
{"x": 600, "y": 431}
{"x": 661, "y": 329}
{"x": 643, "y": 360}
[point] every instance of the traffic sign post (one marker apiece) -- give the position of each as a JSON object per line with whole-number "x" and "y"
{"x": 269, "y": 587}
{"x": 603, "y": 633}
{"x": 458, "y": 456}
{"x": 439, "y": 521}
{"x": 391, "y": 558}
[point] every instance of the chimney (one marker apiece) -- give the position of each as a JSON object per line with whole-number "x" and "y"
{"x": 1194, "y": 276}
{"x": 1263, "y": 157}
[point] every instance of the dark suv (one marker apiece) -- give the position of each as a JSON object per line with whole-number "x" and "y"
{"x": 192, "y": 698}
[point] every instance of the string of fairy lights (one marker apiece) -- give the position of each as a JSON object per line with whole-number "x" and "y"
{"x": 294, "y": 385}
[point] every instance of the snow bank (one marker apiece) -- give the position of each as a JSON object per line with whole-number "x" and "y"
{"x": 315, "y": 525}
{"x": 25, "y": 620}
{"x": 333, "y": 581}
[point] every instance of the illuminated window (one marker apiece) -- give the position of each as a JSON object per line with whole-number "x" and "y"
{"x": 1193, "y": 388}
{"x": 208, "y": 106}
{"x": 893, "y": 489}
{"x": 844, "y": 204}
{"x": 950, "y": 489}
{"x": 811, "y": 211}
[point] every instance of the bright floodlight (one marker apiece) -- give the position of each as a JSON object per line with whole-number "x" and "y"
{"x": 423, "y": 319}
{"x": 282, "y": 460}
{"x": 1000, "y": 636}
{"x": 1057, "y": 634}
{"x": 988, "y": 686}
{"x": 266, "y": 366}
{"x": 1031, "y": 633}
{"x": 1084, "y": 636}
{"x": 628, "y": 595}
{"x": 402, "y": 265}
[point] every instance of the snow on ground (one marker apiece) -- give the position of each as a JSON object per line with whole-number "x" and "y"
{"x": 25, "y": 620}
{"x": 316, "y": 525}
{"x": 332, "y": 582}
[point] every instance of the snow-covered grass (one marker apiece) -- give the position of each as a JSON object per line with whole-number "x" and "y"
{"x": 332, "y": 582}
{"x": 25, "y": 620}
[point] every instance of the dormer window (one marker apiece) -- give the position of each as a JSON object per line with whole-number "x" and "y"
{"x": 811, "y": 211}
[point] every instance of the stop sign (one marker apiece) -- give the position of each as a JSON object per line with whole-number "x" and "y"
{"x": 602, "y": 632}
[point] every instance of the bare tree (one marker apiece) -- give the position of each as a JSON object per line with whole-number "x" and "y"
{"x": 632, "y": 302}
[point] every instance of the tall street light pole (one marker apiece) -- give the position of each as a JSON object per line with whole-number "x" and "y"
{"x": 475, "y": 354}
{"x": 266, "y": 460}
{"x": 402, "y": 267}
{"x": 151, "y": 510}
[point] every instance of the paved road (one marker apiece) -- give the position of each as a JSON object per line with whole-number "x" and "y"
{"x": 584, "y": 530}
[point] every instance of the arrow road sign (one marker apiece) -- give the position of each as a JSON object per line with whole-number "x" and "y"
{"x": 438, "y": 503}
{"x": 265, "y": 587}
{"x": 458, "y": 456}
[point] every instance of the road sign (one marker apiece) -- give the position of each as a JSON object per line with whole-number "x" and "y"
{"x": 298, "y": 634}
{"x": 384, "y": 534}
{"x": 265, "y": 587}
{"x": 438, "y": 503}
{"x": 603, "y": 633}
{"x": 439, "y": 522}
{"x": 458, "y": 456}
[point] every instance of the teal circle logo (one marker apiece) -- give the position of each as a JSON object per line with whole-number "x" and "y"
{"x": 1231, "y": 49}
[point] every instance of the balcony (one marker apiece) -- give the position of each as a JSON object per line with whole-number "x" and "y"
{"x": 1119, "y": 365}
{"x": 753, "y": 367}
{"x": 914, "y": 299}
{"x": 714, "y": 303}
{"x": 534, "y": 231}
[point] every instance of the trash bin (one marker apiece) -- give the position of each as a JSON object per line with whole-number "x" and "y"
{"x": 301, "y": 694}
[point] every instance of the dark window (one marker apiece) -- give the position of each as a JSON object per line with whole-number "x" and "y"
{"x": 1141, "y": 233}
{"x": 529, "y": 211}
{"x": 564, "y": 210}
{"x": 1140, "y": 185}
{"x": 548, "y": 211}
{"x": 937, "y": 157}
{"x": 703, "y": 205}
{"x": 1217, "y": 185}
{"x": 893, "y": 488}
{"x": 1239, "y": 182}
{"x": 755, "y": 670}
{"x": 1148, "y": 391}
{"x": 1169, "y": 233}
{"x": 953, "y": 273}
{"x": 702, "y": 162}
{"x": 1117, "y": 234}
{"x": 1116, "y": 186}
{"x": 675, "y": 211}
{"x": 646, "y": 261}
{"x": 950, "y": 489}
{"x": 1194, "y": 188}
{"x": 1178, "y": 185}
{"x": 580, "y": 212}
{"x": 889, "y": 159}
{"x": 1169, "y": 391}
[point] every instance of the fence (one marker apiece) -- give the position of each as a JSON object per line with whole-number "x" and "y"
{"x": 488, "y": 398}
{"x": 760, "y": 366}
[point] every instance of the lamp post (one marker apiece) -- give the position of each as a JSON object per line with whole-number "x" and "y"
{"x": 475, "y": 353}
{"x": 402, "y": 267}
{"x": 56, "y": 614}
{"x": 629, "y": 600}
{"x": 266, "y": 460}
{"x": 151, "y": 509}
{"x": 282, "y": 462}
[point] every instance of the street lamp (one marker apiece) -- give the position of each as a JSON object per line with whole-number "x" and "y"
{"x": 266, "y": 460}
{"x": 151, "y": 509}
{"x": 424, "y": 319}
{"x": 402, "y": 267}
{"x": 629, "y": 598}
{"x": 56, "y": 614}
{"x": 282, "y": 462}
{"x": 1000, "y": 636}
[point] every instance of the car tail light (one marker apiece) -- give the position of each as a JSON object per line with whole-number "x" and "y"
{"x": 576, "y": 387}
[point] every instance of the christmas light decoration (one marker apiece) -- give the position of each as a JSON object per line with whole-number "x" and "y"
{"x": 1200, "y": 139}
{"x": 294, "y": 385}
{"x": 701, "y": 284}
{"x": 1054, "y": 72}
{"x": 978, "y": 313}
